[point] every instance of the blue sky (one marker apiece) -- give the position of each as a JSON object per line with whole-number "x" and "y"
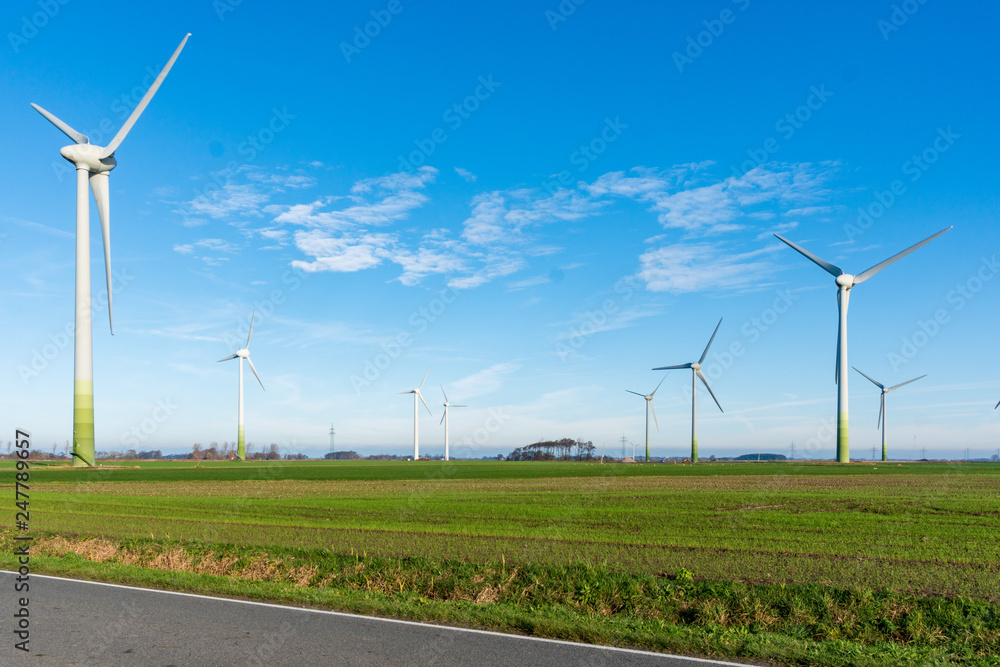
{"x": 538, "y": 201}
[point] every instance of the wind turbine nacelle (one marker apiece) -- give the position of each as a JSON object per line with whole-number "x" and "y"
{"x": 845, "y": 280}
{"x": 696, "y": 367}
{"x": 89, "y": 156}
{"x": 242, "y": 354}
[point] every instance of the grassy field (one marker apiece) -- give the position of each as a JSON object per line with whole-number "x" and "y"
{"x": 914, "y": 532}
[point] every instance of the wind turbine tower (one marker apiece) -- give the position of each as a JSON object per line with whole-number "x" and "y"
{"x": 93, "y": 164}
{"x": 333, "y": 432}
{"x": 444, "y": 419}
{"x": 695, "y": 375}
{"x": 242, "y": 354}
{"x": 845, "y": 282}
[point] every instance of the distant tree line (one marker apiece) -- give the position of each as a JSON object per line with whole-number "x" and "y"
{"x": 566, "y": 449}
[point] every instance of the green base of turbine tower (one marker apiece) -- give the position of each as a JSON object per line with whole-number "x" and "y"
{"x": 241, "y": 450}
{"x": 83, "y": 424}
{"x": 843, "y": 449}
{"x": 694, "y": 450}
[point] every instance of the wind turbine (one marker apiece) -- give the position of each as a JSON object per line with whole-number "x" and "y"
{"x": 93, "y": 163}
{"x": 649, "y": 406}
{"x": 845, "y": 282}
{"x": 444, "y": 419}
{"x": 695, "y": 374}
{"x": 416, "y": 414}
{"x": 241, "y": 355}
{"x": 881, "y": 409}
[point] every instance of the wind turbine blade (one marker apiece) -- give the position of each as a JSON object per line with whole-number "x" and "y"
{"x": 704, "y": 381}
{"x": 907, "y": 382}
{"x": 877, "y": 384}
{"x": 865, "y": 275}
{"x": 669, "y": 368}
{"x": 442, "y": 391}
{"x": 139, "y": 108}
{"x": 443, "y": 416}
{"x": 425, "y": 378}
{"x": 654, "y": 416}
{"x": 705, "y": 353}
{"x": 881, "y": 409}
{"x": 653, "y": 393}
{"x": 997, "y": 405}
{"x": 836, "y": 369}
{"x": 453, "y": 405}
{"x": 232, "y": 356}
{"x": 78, "y": 137}
{"x": 250, "y": 333}
{"x": 255, "y": 373}
{"x": 635, "y": 392}
{"x": 99, "y": 186}
{"x": 405, "y": 392}
{"x": 832, "y": 269}
{"x": 425, "y": 404}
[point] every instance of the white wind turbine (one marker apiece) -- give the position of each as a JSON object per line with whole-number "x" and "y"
{"x": 416, "y": 414}
{"x": 241, "y": 355}
{"x": 649, "y": 406}
{"x": 845, "y": 282}
{"x": 444, "y": 419}
{"x": 695, "y": 374}
{"x": 881, "y": 409}
{"x": 93, "y": 163}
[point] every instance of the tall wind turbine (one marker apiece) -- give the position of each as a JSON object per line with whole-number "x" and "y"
{"x": 649, "y": 406}
{"x": 695, "y": 374}
{"x": 416, "y": 414}
{"x": 845, "y": 282}
{"x": 881, "y": 409}
{"x": 93, "y": 163}
{"x": 444, "y": 419}
{"x": 242, "y": 354}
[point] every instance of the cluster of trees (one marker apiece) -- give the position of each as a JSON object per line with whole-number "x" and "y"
{"x": 342, "y": 456}
{"x": 554, "y": 450}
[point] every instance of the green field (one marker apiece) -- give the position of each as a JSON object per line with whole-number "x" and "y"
{"x": 922, "y": 531}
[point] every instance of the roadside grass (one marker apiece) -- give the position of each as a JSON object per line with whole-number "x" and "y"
{"x": 800, "y": 563}
{"x": 791, "y": 624}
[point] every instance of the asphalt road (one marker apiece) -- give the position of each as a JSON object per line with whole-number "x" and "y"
{"x": 76, "y": 622}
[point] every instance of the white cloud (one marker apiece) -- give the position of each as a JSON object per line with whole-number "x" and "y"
{"x": 484, "y": 382}
{"x": 466, "y": 174}
{"x": 697, "y": 267}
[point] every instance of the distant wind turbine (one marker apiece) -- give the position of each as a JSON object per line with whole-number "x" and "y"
{"x": 695, "y": 374}
{"x": 649, "y": 406}
{"x": 881, "y": 409}
{"x": 444, "y": 419}
{"x": 845, "y": 282}
{"x": 416, "y": 414}
{"x": 242, "y": 354}
{"x": 93, "y": 163}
